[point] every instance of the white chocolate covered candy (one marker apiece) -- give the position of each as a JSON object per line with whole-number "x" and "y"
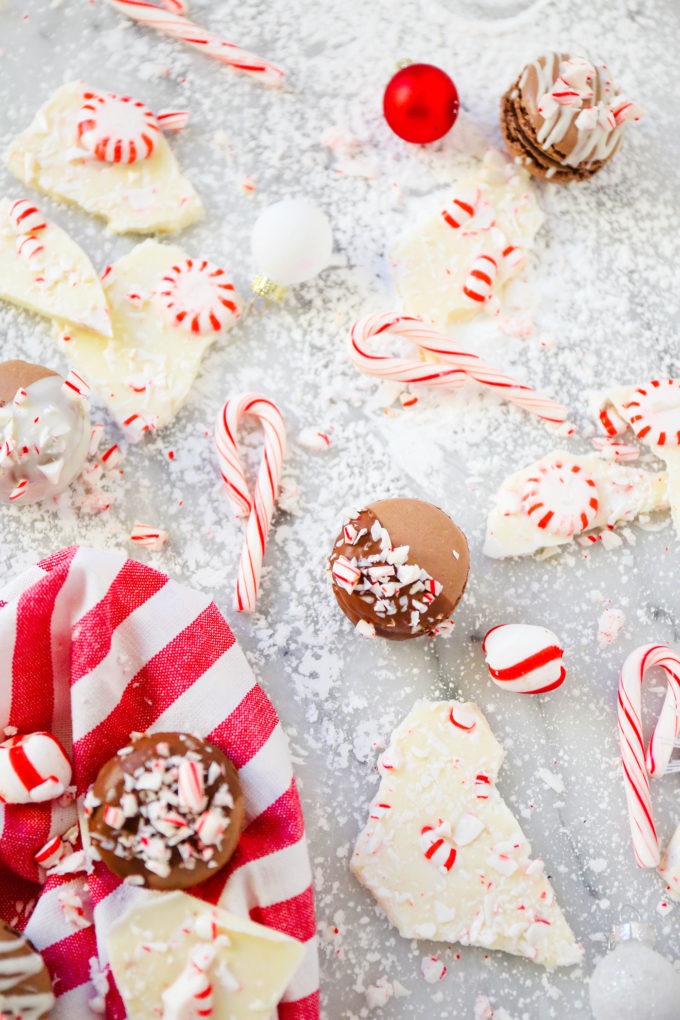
{"x": 461, "y": 259}
{"x": 442, "y": 853}
{"x": 44, "y": 439}
{"x": 524, "y": 658}
{"x": 44, "y": 270}
{"x": 145, "y": 371}
{"x": 562, "y": 496}
{"x": 652, "y": 411}
{"x": 172, "y": 953}
{"x": 79, "y": 149}
{"x": 34, "y": 768}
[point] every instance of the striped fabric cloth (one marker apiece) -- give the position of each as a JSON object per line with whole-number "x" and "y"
{"x": 97, "y": 646}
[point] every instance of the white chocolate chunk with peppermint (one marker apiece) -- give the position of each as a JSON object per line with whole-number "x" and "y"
{"x": 517, "y": 524}
{"x": 432, "y": 265}
{"x": 655, "y": 408}
{"x": 443, "y": 854}
{"x": 145, "y": 371}
{"x": 148, "y": 196}
{"x": 153, "y": 945}
{"x": 49, "y": 274}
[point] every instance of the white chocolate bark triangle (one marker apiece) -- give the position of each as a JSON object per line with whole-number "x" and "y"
{"x": 439, "y": 775}
{"x": 145, "y": 371}
{"x": 51, "y": 275}
{"x": 623, "y": 493}
{"x": 431, "y": 264}
{"x": 151, "y": 946}
{"x": 149, "y": 196}
{"x": 618, "y": 396}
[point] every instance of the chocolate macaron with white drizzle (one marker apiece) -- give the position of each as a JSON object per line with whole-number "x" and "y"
{"x": 564, "y": 117}
{"x": 399, "y": 568}
{"x": 166, "y": 811}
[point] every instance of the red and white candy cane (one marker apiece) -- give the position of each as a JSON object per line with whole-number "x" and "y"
{"x": 638, "y": 766}
{"x": 259, "y": 506}
{"x": 173, "y": 120}
{"x": 172, "y": 23}
{"x": 480, "y": 278}
{"x": 457, "y": 365}
{"x": 437, "y": 849}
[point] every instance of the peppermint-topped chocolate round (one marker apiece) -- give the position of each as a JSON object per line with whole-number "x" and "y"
{"x": 399, "y": 568}
{"x": 25, "y": 983}
{"x": 167, "y": 808}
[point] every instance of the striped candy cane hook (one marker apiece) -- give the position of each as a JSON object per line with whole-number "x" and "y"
{"x": 639, "y": 765}
{"x": 258, "y": 507}
{"x": 452, "y": 368}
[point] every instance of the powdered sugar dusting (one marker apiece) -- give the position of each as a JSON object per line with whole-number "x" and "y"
{"x": 588, "y": 310}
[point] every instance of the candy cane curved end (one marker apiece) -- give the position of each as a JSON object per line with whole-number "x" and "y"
{"x": 451, "y": 367}
{"x": 638, "y": 764}
{"x": 258, "y": 505}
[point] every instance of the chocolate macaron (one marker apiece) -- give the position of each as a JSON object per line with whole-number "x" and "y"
{"x": 564, "y": 118}
{"x": 168, "y": 809}
{"x": 399, "y": 568}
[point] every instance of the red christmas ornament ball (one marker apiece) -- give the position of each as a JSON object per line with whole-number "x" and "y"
{"x": 420, "y": 103}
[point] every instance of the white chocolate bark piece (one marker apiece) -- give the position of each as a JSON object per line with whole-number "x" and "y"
{"x": 431, "y": 266}
{"x": 621, "y": 493}
{"x": 145, "y": 371}
{"x": 620, "y": 397}
{"x": 152, "y": 946}
{"x": 148, "y": 196}
{"x": 443, "y": 854}
{"x": 49, "y": 274}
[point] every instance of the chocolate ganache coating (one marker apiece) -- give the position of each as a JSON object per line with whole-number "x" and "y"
{"x": 399, "y": 566}
{"x": 25, "y": 983}
{"x": 167, "y": 808}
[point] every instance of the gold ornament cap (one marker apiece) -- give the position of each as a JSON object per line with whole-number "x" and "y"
{"x": 267, "y": 288}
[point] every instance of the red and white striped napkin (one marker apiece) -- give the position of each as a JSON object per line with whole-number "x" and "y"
{"x": 93, "y": 647}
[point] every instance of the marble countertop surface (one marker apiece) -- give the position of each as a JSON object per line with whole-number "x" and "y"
{"x": 601, "y": 294}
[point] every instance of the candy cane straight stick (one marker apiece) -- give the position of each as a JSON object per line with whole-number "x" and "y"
{"x": 178, "y": 27}
{"x": 260, "y": 506}
{"x": 638, "y": 766}
{"x": 457, "y": 365}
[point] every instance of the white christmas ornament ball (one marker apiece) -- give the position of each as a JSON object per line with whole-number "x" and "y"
{"x": 635, "y": 981}
{"x": 292, "y": 241}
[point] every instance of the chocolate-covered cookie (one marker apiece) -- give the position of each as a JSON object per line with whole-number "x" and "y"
{"x": 167, "y": 808}
{"x": 564, "y": 118}
{"x": 399, "y": 568}
{"x": 44, "y": 433}
{"x": 25, "y": 983}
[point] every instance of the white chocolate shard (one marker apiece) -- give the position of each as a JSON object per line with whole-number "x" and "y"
{"x": 431, "y": 265}
{"x": 439, "y": 772}
{"x": 618, "y": 397}
{"x": 145, "y": 371}
{"x": 55, "y": 278}
{"x": 149, "y": 196}
{"x": 622, "y": 494}
{"x": 149, "y": 947}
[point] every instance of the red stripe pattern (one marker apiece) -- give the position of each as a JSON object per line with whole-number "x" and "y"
{"x": 639, "y": 765}
{"x": 65, "y": 629}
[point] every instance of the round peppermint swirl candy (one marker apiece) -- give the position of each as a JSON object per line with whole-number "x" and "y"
{"x": 524, "y": 658}
{"x": 117, "y": 129}
{"x": 653, "y": 412}
{"x": 561, "y": 499}
{"x": 34, "y": 768}
{"x": 199, "y": 296}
